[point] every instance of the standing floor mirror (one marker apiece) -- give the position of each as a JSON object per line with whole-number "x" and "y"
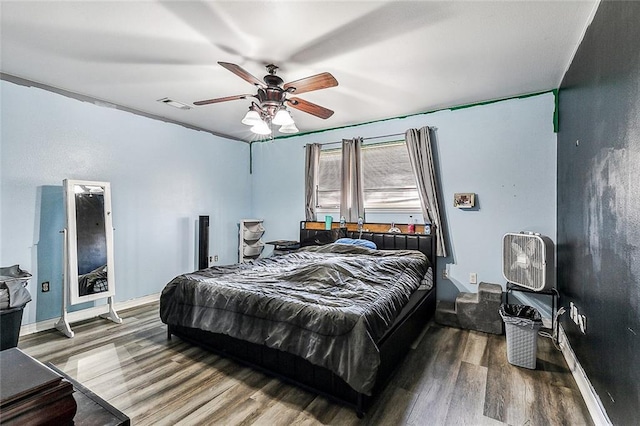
{"x": 88, "y": 248}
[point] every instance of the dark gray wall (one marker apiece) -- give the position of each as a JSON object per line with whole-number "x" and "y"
{"x": 599, "y": 205}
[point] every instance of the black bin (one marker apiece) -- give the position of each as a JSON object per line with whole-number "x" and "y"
{"x": 14, "y": 297}
{"x": 10, "y": 321}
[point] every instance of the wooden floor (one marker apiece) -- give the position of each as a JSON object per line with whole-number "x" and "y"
{"x": 452, "y": 377}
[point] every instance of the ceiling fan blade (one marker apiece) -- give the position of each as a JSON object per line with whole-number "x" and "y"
{"x": 310, "y": 108}
{"x": 242, "y": 73}
{"x": 315, "y": 82}
{"x": 225, "y": 99}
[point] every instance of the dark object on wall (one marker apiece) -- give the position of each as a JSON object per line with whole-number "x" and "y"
{"x": 203, "y": 242}
{"x": 598, "y": 215}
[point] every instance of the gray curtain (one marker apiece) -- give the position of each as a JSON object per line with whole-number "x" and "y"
{"x": 312, "y": 161}
{"x": 351, "y": 190}
{"x": 421, "y": 156}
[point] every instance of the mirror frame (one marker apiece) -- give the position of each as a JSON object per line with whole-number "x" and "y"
{"x": 72, "y": 242}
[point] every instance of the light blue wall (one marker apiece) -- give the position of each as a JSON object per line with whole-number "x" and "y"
{"x": 505, "y": 152}
{"x": 163, "y": 176}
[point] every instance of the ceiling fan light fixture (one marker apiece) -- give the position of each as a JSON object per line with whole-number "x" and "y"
{"x": 261, "y": 128}
{"x": 282, "y": 118}
{"x": 251, "y": 118}
{"x": 288, "y": 128}
{"x": 272, "y": 95}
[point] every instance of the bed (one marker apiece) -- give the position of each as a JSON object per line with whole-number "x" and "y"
{"x": 94, "y": 281}
{"x": 335, "y": 319}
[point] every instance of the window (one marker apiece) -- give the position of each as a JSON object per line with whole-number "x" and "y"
{"x": 329, "y": 172}
{"x": 388, "y": 179}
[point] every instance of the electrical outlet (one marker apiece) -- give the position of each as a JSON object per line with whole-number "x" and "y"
{"x": 582, "y": 323}
{"x": 445, "y": 274}
{"x": 215, "y": 258}
{"x": 473, "y": 278}
{"x": 579, "y": 319}
{"x": 45, "y": 286}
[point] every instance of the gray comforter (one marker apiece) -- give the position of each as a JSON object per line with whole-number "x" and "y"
{"x": 328, "y": 304}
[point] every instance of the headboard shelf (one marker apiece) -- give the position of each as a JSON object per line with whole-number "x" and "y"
{"x": 367, "y": 227}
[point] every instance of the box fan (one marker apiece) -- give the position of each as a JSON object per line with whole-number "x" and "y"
{"x": 527, "y": 260}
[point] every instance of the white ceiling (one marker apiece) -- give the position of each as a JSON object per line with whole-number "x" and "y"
{"x": 390, "y": 58}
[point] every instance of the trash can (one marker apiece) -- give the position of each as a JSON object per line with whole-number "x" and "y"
{"x": 521, "y": 324}
{"x": 13, "y": 298}
{"x": 10, "y": 320}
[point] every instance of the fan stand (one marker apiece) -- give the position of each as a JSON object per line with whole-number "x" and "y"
{"x": 549, "y": 292}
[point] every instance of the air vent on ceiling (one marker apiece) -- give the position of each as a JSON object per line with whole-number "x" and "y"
{"x": 174, "y": 104}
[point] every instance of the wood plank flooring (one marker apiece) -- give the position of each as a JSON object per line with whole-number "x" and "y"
{"x": 451, "y": 377}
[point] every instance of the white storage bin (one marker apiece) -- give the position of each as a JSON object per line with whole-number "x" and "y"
{"x": 250, "y": 244}
{"x": 253, "y": 231}
{"x": 253, "y": 249}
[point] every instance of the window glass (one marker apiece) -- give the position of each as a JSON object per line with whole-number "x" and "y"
{"x": 386, "y": 173}
{"x": 388, "y": 178}
{"x": 329, "y": 178}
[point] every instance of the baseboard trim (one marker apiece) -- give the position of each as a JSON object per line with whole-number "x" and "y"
{"x": 591, "y": 398}
{"x": 88, "y": 313}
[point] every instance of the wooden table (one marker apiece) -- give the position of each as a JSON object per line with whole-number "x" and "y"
{"x": 31, "y": 393}
{"x": 36, "y": 394}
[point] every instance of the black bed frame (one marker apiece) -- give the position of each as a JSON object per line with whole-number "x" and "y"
{"x": 293, "y": 369}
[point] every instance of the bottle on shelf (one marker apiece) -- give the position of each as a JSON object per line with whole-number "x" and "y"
{"x": 343, "y": 222}
{"x": 411, "y": 226}
{"x": 360, "y": 223}
{"x": 427, "y": 228}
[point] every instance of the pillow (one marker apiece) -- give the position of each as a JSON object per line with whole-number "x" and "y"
{"x": 358, "y": 242}
{"x": 321, "y": 238}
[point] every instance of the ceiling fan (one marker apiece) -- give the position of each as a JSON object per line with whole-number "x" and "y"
{"x": 272, "y": 99}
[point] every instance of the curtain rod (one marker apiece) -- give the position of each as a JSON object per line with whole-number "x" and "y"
{"x": 364, "y": 139}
